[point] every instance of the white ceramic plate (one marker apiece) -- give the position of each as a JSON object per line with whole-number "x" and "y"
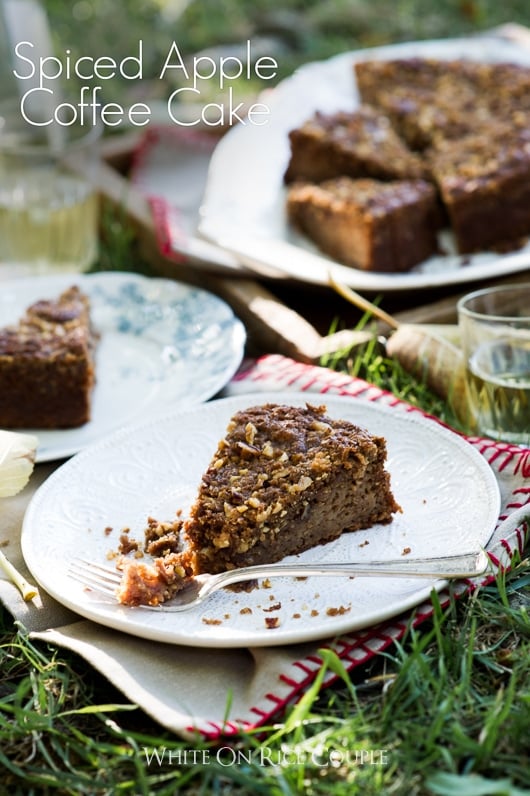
{"x": 162, "y": 345}
{"x": 249, "y": 220}
{"x": 449, "y": 497}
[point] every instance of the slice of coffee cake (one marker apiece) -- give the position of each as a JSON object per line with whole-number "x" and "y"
{"x": 47, "y": 368}
{"x": 284, "y": 479}
{"x": 359, "y": 143}
{"x": 368, "y": 224}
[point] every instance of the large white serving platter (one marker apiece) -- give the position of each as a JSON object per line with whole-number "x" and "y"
{"x": 163, "y": 345}
{"x": 448, "y": 493}
{"x": 243, "y": 209}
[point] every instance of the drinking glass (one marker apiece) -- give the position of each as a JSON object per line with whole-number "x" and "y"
{"x": 48, "y": 200}
{"x": 494, "y": 326}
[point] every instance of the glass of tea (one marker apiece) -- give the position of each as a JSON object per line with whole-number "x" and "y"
{"x": 494, "y": 327}
{"x": 48, "y": 200}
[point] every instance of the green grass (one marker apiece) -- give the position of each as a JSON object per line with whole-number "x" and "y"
{"x": 446, "y": 711}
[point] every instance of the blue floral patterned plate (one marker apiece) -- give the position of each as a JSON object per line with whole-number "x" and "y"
{"x": 163, "y": 345}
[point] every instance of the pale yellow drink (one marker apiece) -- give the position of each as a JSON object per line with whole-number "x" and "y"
{"x": 48, "y": 222}
{"x": 48, "y": 205}
{"x": 499, "y": 390}
{"x": 495, "y": 335}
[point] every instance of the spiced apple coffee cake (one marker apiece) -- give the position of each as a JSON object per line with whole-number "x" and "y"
{"x": 458, "y": 126}
{"x": 47, "y": 364}
{"x": 282, "y": 480}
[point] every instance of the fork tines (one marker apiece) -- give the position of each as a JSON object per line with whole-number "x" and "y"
{"x": 94, "y": 576}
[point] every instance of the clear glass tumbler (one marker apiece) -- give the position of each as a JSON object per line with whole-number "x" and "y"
{"x": 495, "y": 333}
{"x": 48, "y": 201}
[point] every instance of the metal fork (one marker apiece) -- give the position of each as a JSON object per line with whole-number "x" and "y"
{"x": 106, "y": 580}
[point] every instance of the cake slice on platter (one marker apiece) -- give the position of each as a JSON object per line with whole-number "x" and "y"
{"x": 358, "y": 143}
{"x": 368, "y": 224}
{"x": 47, "y": 364}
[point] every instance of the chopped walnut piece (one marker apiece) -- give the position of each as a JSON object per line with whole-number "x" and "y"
{"x": 340, "y": 611}
{"x": 250, "y": 432}
{"x": 275, "y": 607}
{"x": 127, "y": 545}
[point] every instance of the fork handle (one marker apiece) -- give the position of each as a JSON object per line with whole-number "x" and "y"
{"x": 467, "y": 565}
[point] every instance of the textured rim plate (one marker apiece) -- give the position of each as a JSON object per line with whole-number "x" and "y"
{"x": 251, "y": 220}
{"x": 162, "y": 345}
{"x": 448, "y": 493}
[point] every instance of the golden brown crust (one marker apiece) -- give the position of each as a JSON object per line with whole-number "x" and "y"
{"x": 361, "y": 143}
{"x": 429, "y": 99}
